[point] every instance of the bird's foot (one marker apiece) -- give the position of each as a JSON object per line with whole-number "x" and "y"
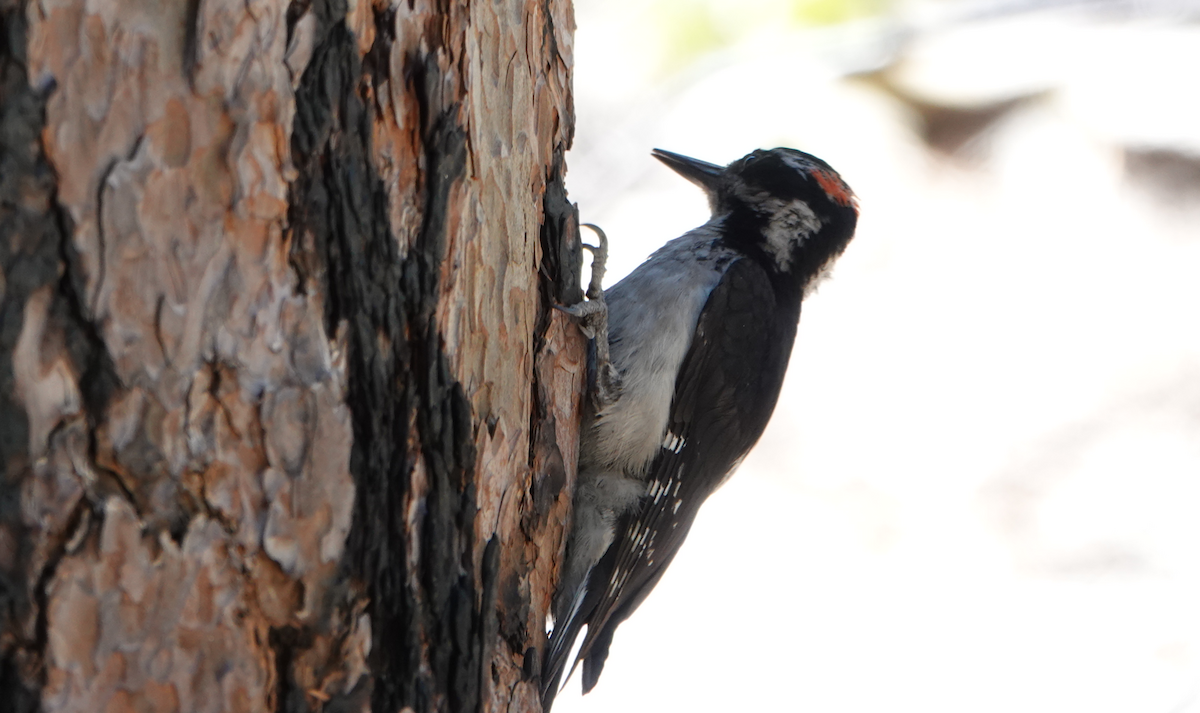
{"x": 592, "y": 316}
{"x": 595, "y": 290}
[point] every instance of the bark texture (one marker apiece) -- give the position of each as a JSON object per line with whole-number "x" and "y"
{"x": 286, "y": 418}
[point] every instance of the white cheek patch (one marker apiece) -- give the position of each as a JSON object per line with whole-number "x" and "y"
{"x": 791, "y": 223}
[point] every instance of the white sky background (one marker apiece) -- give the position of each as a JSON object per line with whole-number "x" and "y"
{"x": 981, "y": 487}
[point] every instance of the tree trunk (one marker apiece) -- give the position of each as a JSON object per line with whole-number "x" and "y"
{"x": 286, "y": 418}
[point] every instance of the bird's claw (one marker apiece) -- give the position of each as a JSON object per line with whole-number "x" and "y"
{"x": 599, "y": 253}
{"x": 592, "y": 318}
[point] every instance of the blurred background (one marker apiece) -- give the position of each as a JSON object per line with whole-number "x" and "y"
{"x": 981, "y": 488}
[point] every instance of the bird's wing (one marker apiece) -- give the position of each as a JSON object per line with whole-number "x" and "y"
{"x": 736, "y": 360}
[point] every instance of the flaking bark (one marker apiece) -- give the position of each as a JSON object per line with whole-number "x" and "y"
{"x": 286, "y": 418}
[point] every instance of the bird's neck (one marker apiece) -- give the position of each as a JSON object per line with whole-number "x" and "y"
{"x": 747, "y": 233}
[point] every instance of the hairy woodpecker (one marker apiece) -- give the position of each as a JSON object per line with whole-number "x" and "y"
{"x": 698, "y": 339}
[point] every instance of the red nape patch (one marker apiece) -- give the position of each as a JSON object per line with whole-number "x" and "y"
{"x": 835, "y": 188}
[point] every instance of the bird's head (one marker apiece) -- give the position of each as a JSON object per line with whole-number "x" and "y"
{"x": 784, "y": 207}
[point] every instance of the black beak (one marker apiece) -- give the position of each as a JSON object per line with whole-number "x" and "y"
{"x": 702, "y": 173}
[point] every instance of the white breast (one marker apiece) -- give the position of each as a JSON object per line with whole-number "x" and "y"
{"x": 652, "y": 314}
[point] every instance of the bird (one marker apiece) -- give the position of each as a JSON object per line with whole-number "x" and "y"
{"x": 688, "y": 358}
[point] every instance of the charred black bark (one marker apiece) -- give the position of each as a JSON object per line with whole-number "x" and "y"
{"x": 398, "y": 373}
{"x": 29, "y": 249}
{"x": 35, "y": 253}
{"x": 559, "y": 284}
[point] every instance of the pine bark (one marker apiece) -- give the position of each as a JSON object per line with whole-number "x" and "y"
{"x": 287, "y": 420}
